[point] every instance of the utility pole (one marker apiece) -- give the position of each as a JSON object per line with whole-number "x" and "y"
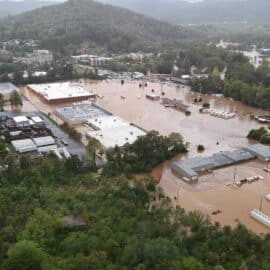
{"x": 234, "y": 175}
{"x": 261, "y": 203}
{"x": 177, "y": 197}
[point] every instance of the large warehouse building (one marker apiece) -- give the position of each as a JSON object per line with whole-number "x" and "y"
{"x": 117, "y": 136}
{"x": 61, "y": 92}
{"x": 191, "y": 167}
{"x": 80, "y": 113}
{"x": 107, "y": 122}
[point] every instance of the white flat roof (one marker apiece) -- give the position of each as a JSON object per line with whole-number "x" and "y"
{"x": 107, "y": 122}
{"x": 19, "y": 119}
{"x": 54, "y": 91}
{"x": 24, "y": 146}
{"x": 117, "y": 136}
{"x": 37, "y": 119}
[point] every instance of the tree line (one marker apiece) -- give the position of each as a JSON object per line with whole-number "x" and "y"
{"x": 242, "y": 82}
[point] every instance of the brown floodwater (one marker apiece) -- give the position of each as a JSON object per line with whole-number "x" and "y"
{"x": 196, "y": 129}
{"x": 212, "y": 191}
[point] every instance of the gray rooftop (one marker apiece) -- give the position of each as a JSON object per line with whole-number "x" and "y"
{"x": 81, "y": 112}
{"x": 259, "y": 150}
{"x": 7, "y": 88}
{"x": 190, "y": 167}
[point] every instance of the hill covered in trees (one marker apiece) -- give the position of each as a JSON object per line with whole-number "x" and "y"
{"x": 207, "y": 11}
{"x": 88, "y": 23}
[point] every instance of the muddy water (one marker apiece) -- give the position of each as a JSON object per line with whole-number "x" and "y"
{"x": 196, "y": 128}
{"x": 212, "y": 191}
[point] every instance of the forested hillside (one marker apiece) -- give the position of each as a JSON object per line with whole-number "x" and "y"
{"x": 86, "y": 22}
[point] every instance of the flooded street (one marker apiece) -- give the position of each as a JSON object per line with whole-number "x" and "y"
{"x": 213, "y": 191}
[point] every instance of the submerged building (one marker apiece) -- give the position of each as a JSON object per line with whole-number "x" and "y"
{"x": 61, "y": 92}
{"x": 79, "y": 113}
{"x": 191, "y": 167}
{"x": 116, "y": 136}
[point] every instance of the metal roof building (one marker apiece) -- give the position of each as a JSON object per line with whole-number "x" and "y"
{"x": 21, "y": 121}
{"x": 44, "y": 141}
{"x": 189, "y": 168}
{"x": 47, "y": 148}
{"x": 81, "y": 112}
{"x": 24, "y": 146}
{"x": 260, "y": 151}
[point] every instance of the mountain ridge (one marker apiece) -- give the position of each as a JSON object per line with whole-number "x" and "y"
{"x": 86, "y": 21}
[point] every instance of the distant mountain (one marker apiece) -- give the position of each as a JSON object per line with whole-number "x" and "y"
{"x": 13, "y": 7}
{"x": 207, "y": 11}
{"x": 89, "y": 23}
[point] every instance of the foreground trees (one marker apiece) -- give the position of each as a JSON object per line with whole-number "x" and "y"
{"x": 25, "y": 255}
{"x": 127, "y": 223}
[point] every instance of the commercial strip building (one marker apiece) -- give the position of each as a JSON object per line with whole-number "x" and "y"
{"x": 61, "y": 92}
{"x": 108, "y": 129}
{"x": 91, "y": 60}
{"x": 6, "y": 89}
{"x": 79, "y": 113}
{"x": 191, "y": 167}
{"x": 38, "y": 57}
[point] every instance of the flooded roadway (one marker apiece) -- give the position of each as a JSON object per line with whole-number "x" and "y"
{"x": 212, "y": 192}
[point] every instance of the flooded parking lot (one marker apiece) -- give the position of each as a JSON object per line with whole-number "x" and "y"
{"x": 129, "y": 102}
{"x": 213, "y": 191}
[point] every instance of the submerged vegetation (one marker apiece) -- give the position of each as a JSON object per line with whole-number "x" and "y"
{"x": 142, "y": 156}
{"x": 261, "y": 134}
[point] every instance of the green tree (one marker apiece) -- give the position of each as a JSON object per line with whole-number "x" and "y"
{"x": 74, "y": 165}
{"x": 15, "y": 99}
{"x": 25, "y": 255}
{"x": 190, "y": 263}
{"x": 3, "y": 150}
